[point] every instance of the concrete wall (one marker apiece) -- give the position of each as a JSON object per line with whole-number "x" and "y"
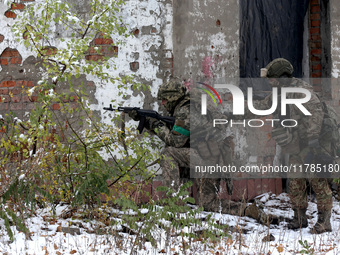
{"x": 206, "y": 39}
{"x": 206, "y": 45}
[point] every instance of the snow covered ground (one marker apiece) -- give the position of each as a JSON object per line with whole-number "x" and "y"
{"x": 70, "y": 235}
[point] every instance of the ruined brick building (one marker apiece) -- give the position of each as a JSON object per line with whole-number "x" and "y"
{"x": 206, "y": 41}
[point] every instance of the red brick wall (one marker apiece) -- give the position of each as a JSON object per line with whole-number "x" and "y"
{"x": 16, "y": 6}
{"x": 315, "y": 43}
{"x": 13, "y": 94}
{"x": 101, "y": 47}
{"x": 10, "y": 57}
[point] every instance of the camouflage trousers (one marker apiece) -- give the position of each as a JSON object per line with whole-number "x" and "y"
{"x": 298, "y": 187}
{"x": 207, "y": 188}
{"x": 173, "y": 159}
{"x": 298, "y": 193}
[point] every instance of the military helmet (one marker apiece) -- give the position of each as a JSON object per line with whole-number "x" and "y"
{"x": 171, "y": 90}
{"x": 277, "y": 68}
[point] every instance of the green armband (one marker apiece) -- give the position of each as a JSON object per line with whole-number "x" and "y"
{"x": 181, "y": 130}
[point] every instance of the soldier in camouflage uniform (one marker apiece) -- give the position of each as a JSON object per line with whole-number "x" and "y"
{"x": 304, "y": 144}
{"x": 176, "y": 154}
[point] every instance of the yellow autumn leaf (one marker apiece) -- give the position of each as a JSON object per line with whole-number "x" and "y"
{"x": 280, "y": 248}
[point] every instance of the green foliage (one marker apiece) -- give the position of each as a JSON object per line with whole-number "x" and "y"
{"x": 8, "y": 213}
{"x": 171, "y": 215}
{"x": 56, "y": 153}
{"x": 307, "y": 249}
{"x": 41, "y": 24}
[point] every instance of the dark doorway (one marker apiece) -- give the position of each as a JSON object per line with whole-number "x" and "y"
{"x": 271, "y": 29}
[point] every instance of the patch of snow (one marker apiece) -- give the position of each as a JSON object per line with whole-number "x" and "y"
{"x": 46, "y": 236}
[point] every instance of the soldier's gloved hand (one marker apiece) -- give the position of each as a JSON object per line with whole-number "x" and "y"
{"x": 134, "y": 115}
{"x": 152, "y": 123}
{"x": 156, "y": 124}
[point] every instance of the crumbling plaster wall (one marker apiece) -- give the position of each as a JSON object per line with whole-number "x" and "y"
{"x": 335, "y": 37}
{"x": 335, "y": 52}
{"x": 147, "y": 54}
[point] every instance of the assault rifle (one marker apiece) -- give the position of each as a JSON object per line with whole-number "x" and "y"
{"x": 142, "y": 114}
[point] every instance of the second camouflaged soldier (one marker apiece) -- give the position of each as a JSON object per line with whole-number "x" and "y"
{"x": 304, "y": 143}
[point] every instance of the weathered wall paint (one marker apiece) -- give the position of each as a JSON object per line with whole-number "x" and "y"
{"x": 335, "y": 40}
{"x": 206, "y": 39}
{"x": 206, "y": 48}
{"x": 335, "y": 53}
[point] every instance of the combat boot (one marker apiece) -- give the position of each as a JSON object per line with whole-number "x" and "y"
{"x": 299, "y": 220}
{"x": 323, "y": 224}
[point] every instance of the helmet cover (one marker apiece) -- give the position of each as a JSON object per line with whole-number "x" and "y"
{"x": 277, "y": 68}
